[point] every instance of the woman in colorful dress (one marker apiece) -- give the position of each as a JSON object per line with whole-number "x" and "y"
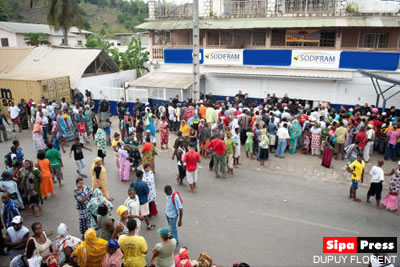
{"x": 65, "y": 244}
{"x": 91, "y": 251}
{"x": 23, "y": 115}
{"x": 148, "y": 178}
{"x": 352, "y": 130}
{"x": 99, "y": 177}
{"x": 89, "y": 120}
{"x": 148, "y": 152}
{"x": 82, "y": 194}
{"x": 390, "y": 201}
{"x": 100, "y": 143}
{"x": 70, "y": 129}
{"x": 94, "y": 203}
{"x": 316, "y": 139}
{"x": 61, "y": 128}
{"x": 46, "y": 184}
{"x": 124, "y": 164}
{"x": 30, "y": 178}
{"x": 164, "y": 132}
{"x": 37, "y": 135}
{"x": 295, "y": 132}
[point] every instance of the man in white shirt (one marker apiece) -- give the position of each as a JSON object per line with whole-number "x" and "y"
{"x": 370, "y": 141}
{"x": 283, "y": 135}
{"x": 14, "y": 114}
{"x": 377, "y": 178}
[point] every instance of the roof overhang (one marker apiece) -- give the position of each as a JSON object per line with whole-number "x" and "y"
{"x": 167, "y": 80}
{"x": 273, "y": 22}
{"x": 287, "y": 73}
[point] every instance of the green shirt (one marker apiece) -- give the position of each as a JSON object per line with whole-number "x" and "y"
{"x": 129, "y": 142}
{"x": 166, "y": 256}
{"x": 54, "y": 156}
{"x": 229, "y": 144}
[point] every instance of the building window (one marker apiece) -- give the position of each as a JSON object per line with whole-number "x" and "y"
{"x": 327, "y": 39}
{"x": 212, "y": 38}
{"x": 375, "y": 40}
{"x": 226, "y": 38}
{"x": 80, "y": 42}
{"x": 4, "y": 42}
{"x": 258, "y": 38}
{"x": 278, "y": 38}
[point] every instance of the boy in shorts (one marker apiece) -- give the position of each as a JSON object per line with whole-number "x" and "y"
{"x": 78, "y": 155}
{"x": 191, "y": 159}
{"x": 357, "y": 173}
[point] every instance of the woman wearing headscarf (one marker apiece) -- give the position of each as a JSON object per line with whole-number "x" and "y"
{"x": 163, "y": 252}
{"x": 9, "y": 185}
{"x": 295, "y": 132}
{"x": 150, "y": 126}
{"x": 164, "y": 132}
{"x": 114, "y": 255}
{"x": 148, "y": 152}
{"x": 65, "y": 244}
{"x": 37, "y": 135}
{"x": 100, "y": 143}
{"x": 70, "y": 129}
{"x": 91, "y": 251}
{"x": 94, "y": 203}
{"x": 99, "y": 177}
{"x": 122, "y": 226}
{"x": 316, "y": 139}
{"x": 204, "y": 137}
{"x": 30, "y": 178}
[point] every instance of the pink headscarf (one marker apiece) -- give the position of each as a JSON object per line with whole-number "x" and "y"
{"x": 37, "y": 127}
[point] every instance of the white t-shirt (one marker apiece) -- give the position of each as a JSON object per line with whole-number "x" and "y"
{"x": 283, "y": 133}
{"x": 14, "y": 111}
{"x": 133, "y": 206}
{"x": 377, "y": 174}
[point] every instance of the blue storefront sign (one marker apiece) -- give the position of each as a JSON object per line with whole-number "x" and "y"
{"x": 286, "y": 57}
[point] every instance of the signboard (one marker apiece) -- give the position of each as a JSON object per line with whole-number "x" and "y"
{"x": 319, "y": 59}
{"x": 302, "y": 36}
{"x": 223, "y": 56}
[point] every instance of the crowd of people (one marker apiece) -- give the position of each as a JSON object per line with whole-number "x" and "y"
{"x": 209, "y": 128}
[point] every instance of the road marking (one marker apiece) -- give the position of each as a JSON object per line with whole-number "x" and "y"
{"x": 296, "y": 220}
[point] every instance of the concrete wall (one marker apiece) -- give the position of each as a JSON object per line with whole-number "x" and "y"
{"x": 359, "y": 90}
{"x": 105, "y": 86}
{"x": 375, "y": 6}
{"x": 12, "y": 38}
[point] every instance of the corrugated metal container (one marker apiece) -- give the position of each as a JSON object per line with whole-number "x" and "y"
{"x": 13, "y": 87}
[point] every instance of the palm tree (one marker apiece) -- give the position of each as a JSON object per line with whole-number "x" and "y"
{"x": 63, "y": 14}
{"x": 36, "y": 39}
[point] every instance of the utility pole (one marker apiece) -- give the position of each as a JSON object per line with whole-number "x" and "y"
{"x": 196, "y": 52}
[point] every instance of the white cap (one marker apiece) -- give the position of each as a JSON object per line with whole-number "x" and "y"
{"x": 17, "y": 220}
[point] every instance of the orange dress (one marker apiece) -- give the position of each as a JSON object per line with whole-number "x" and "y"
{"x": 46, "y": 185}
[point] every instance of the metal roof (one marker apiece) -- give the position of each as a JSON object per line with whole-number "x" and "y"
{"x": 60, "y": 61}
{"x": 279, "y": 72}
{"x": 24, "y": 28}
{"x": 10, "y": 57}
{"x": 164, "y": 80}
{"x": 28, "y": 77}
{"x": 274, "y": 22}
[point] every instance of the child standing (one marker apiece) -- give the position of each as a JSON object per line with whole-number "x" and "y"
{"x": 357, "y": 173}
{"x": 107, "y": 130}
{"x": 264, "y": 143}
{"x": 81, "y": 126}
{"x": 248, "y": 146}
{"x": 78, "y": 156}
{"x": 236, "y": 138}
{"x": 133, "y": 205}
{"x": 124, "y": 164}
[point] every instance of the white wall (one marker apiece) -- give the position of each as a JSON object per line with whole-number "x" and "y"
{"x": 376, "y": 6}
{"x": 104, "y": 86}
{"x": 359, "y": 90}
{"x": 12, "y": 38}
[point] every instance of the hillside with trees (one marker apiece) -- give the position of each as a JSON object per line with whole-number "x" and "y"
{"x": 109, "y": 16}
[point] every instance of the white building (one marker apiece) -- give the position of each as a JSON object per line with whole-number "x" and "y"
{"x": 12, "y": 34}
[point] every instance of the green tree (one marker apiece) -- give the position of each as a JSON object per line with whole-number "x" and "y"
{"x": 3, "y": 13}
{"x": 97, "y": 41}
{"x": 36, "y": 39}
{"x": 135, "y": 57}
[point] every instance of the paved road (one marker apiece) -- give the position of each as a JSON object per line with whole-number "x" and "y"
{"x": 259, "y": 216}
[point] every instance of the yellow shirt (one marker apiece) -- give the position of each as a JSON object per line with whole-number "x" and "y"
{"x": 185, "y": 130}
{"x": 134, "y": 249}
{"x": 114, "y": 143}
{"x": 341, "y": 133}
{"x": 357, "y": 168}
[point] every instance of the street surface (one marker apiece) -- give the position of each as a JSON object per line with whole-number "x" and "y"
{"x": 274, "y": 215}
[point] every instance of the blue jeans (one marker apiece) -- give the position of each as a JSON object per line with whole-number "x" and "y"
{"x": 389, "y": 148}
{"x": 281, "y": 148}
{"x": 172, "y": 223}
{"x": 258, "y": 153}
